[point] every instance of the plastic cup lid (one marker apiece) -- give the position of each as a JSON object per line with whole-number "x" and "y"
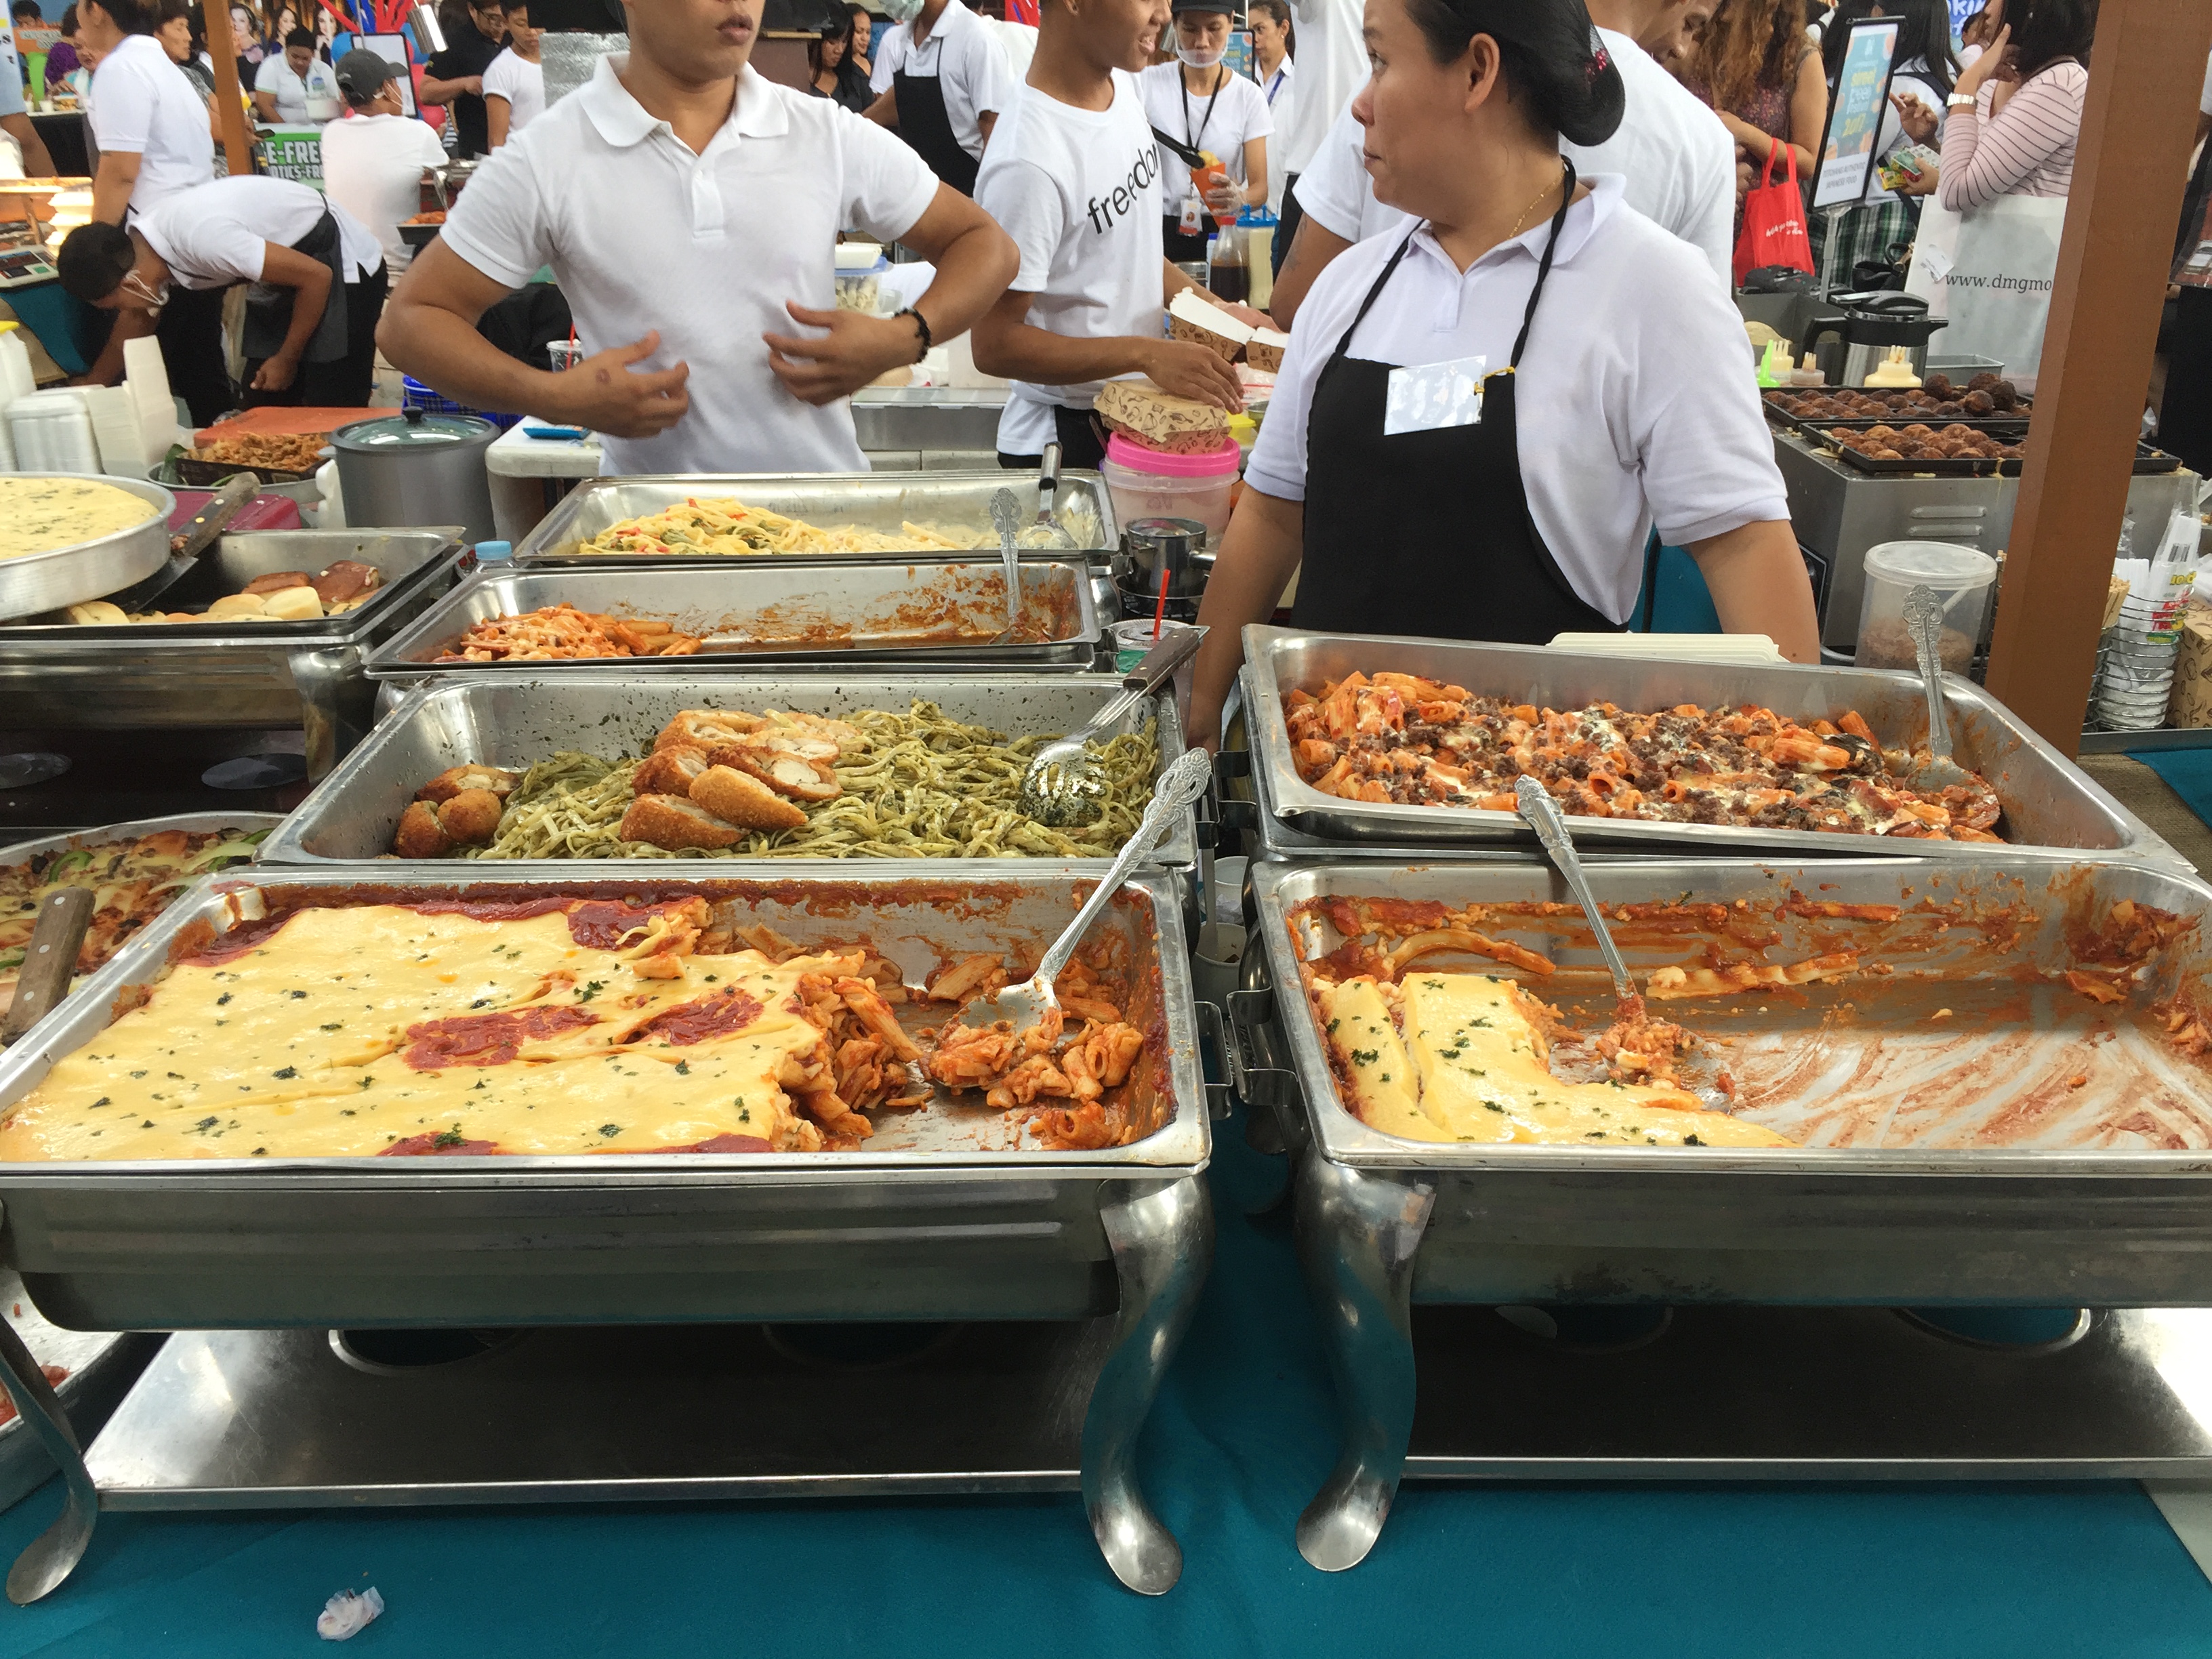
{"x": 1938, "y": 564}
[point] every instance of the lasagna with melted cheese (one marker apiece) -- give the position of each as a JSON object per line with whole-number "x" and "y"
{"x": 544, "y": 1027}
{"x": 1398, "y": 739}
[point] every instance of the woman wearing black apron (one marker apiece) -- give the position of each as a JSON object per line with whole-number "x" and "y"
{"x": 1478, "y": 422}
{"x": 943, "y": 81}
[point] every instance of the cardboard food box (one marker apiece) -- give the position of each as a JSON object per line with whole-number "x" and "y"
{"x": 2192, "y": 676}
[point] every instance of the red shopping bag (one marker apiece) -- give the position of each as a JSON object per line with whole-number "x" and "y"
{"x": 1774, "y": 231}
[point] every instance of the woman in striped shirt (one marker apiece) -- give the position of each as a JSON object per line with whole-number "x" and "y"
{"x": 2017, "y": 109}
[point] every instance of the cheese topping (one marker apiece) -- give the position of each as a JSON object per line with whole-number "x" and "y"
{"x": 353, "y": 1031}
{"x": 38, "y": 514}
{"x": 1471, "y": 1066}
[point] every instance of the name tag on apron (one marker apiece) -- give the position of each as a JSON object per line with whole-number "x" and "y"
{"x": 1424, "y": 396}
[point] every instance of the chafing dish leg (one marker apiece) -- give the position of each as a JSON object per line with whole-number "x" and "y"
{"x": 1357, "y": 1234}
{"x": 1163, "y": 1243}
{"x": 54, "y": 1554}
{"x": 323, "y": 680}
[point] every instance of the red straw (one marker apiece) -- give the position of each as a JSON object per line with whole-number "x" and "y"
{"x": 1160, "y": 611}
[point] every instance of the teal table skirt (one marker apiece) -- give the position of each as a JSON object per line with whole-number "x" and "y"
{"x": 1243, "y": 1434}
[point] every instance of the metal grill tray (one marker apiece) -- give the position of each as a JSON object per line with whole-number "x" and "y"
{"x": 828, "y": 501}
{"x": 1933, "y": 1202}
{"x": 264, "y": 1242}
{"x": 224, "y": 673}
{"x": 515, "y": 719}
{"x": 2049, "y": 803}
{"x": 781, "y": 612}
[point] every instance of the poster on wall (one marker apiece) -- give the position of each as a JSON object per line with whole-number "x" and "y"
{"x": 1847, "y": 148}
{"x": 392, "y": 49}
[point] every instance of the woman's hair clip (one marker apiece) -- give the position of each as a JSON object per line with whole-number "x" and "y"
{"x": 1599, "y": 56}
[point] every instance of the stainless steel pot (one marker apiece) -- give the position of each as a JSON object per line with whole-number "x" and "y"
{"x": 417, "y": 468}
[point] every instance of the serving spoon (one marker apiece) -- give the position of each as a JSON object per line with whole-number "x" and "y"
{"x": 1924, "y": 615}
{"x": 1062, "y": 785}
{"x": 1048, "y": 519}
{"x": 1544, "y": 816}
{"x": 1006, "y": 516}
{"x": 1027, "y": 1004}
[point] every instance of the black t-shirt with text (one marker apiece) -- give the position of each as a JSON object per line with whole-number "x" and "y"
{"x": 467, "y": 53}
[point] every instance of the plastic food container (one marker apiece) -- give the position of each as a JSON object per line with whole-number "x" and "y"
{"x": 1962, "y": 578}
{"x": 863, "y": 289}
{"x": 1150, "y": 483}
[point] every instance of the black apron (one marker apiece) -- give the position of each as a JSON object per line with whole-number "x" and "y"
{"x": 1427, "y": 532}
{"x": 924, "y": 123}
{"x": 269, "y": 305}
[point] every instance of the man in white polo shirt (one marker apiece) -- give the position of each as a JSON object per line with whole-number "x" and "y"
{"x": 690, "y": 209}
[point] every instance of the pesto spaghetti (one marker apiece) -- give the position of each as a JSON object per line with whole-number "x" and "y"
{"x": 921, "y": 785}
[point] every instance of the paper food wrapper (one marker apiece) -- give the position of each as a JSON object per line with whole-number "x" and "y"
{"x": 2192, "y": 675}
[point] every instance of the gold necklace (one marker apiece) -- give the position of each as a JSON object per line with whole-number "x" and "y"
{"x": 1541, "y": 199}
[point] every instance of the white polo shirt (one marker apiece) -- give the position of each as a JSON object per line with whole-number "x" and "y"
{"x": 301, "y": 99}
{"x": 1332, "y": 66}
{"x": 1239, "y": 113}
{"x": 641, "y": 234}
{"x": 143, "y": 105}
{"x": 1676, "y": 158}
{"x": 1650, "y": 414}
{"x": 372, "y": 168}
{"x": 522, "y": 83}
{"x": 1078, "y": 191}
{"x": 966, "y": 59}
{"x": 219, "y": 233}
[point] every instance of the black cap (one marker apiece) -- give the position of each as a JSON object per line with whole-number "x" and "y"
{"x": 1227, "y": 8}
{"x": 362, "y": 73}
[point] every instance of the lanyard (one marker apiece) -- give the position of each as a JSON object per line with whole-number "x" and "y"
{"x": 1275, "y": 84}
{"x": 1220, "y": 79}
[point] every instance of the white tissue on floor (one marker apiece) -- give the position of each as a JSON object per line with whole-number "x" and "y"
{"x": 347, "y": 1614}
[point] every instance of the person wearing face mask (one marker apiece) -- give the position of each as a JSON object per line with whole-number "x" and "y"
{"x": 941, "y": 81}
{"x": 690, "y": 209}
{"x": 1589, "y": 333}
{"x": 1199, "y": 100}
{"x": 1074, "y": 178}
{"x": 514, "y": 81}
{"x": 317, "y": 274}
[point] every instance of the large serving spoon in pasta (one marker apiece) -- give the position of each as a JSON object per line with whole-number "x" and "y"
{"x": 1033, "y": 1002}
{"x": 1550, "y": 824}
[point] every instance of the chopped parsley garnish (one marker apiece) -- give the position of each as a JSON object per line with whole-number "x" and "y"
{"x": 299, "y": 996}
{"x": 592, "y": 988}
{"x": 452, "y": 1137}
{"x": 1691, "y": 1141}
{"x": 611, "y": 1130}
{"x": 289, "y": 1071}
{"x": 224, "y": 997}
{"x": 336, "y": 1024}
{"x": 102, "y": 1101}
{"x": 207, "y": 1123}
{"x": 1365, "y": 1056}
{"x": 683, "y": 1068}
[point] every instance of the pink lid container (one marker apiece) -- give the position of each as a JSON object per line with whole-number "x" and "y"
{"x": 1138, "y": 458}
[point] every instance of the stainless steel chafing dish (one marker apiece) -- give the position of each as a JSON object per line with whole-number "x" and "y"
{"x": 1944, "y": 1218}
{"x": 953, "y": 501}
{"x": 516, "y": 718}
{"x": 2048, "y": 802}
{"x": 920, "y": 613}
{"x": 924, "y": 1225}
{"x": 232, "y": 674}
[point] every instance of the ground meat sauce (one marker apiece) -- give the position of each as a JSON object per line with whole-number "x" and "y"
{"x": 228, "y": 947}
{"x": 595, "y": 924}
{"x": 486, "y": 1039}
{"x": 714, "y": 1016}
{"x": 446, "y": 1145}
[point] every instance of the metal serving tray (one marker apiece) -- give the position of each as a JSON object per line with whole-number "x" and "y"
{"x": 918, "y": 614}
{"x": 516, "y": 718}
{"x": 874, "y": 501}
{"x": 1970, "y": 1220}
{"x": 2049, "y": 803}
{"x": 928, "y": 1224}
{"x": 22, "y": 851}
{"x": 232, "y": 674}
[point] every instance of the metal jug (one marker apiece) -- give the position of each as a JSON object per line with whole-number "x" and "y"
{"x": 1852, "y": 346}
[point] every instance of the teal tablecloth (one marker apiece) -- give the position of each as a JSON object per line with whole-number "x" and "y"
{"x": 1242, "y": 1437}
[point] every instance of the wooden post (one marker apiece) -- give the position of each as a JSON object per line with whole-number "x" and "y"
{"x": 229, "y": 100}
{"x": 2129, "y": 170}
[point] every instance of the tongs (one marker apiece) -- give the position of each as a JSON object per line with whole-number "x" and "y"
{"x": 1062, "y": 786}
{"x": 1924, "y": 615}
{"x": 1190, "y": 155}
